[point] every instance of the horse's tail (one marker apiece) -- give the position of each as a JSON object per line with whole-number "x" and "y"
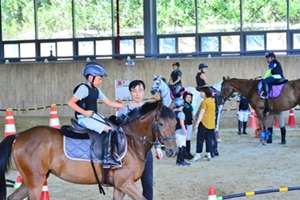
{"x": 5, "y": 162}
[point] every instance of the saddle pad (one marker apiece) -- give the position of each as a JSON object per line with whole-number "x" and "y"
{"x": 172, "y": 95}
{"x": 78, "y": 149}
{"x": 275, "y": 91}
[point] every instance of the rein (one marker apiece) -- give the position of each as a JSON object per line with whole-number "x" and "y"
{"x": 155, "y": 132}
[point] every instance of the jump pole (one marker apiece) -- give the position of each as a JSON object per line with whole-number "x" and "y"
{"x": 252, "y": 193}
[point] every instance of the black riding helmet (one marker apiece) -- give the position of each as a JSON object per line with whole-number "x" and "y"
{"x": 187, "y": 93}
{"x": 176, "y": 63}
{"x": 203, "y": 65}
{"x": 270, "y": 54}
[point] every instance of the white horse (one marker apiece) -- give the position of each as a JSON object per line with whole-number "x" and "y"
{"x": 160, "y": 85}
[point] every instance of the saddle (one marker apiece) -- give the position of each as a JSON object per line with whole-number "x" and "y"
{"x": 173, "y": 93}
{"x": 98, "y": 142}
{"x": 276, "y": 87}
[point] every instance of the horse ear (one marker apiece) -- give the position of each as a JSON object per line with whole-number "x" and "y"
{"x": 224, "y": 78}
{"x": 228, "y": 77}
{"x": 155, "y": 76}
{"x": 159, "y": 105}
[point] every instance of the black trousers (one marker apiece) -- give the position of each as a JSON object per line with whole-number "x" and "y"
{"x": 206, "y": 135}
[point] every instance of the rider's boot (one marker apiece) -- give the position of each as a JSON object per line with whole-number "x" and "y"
{"x": 239, "y": 127}
{"x": 283, "y": 133}
{"x": 187, "y": 154}
{"x": 109, "y": 160}
{"x": 265, "y": 93}
{"x": 182, "y": 157}
{"x": 269, "y": 140}
{"x": 178, "y": 156}
{"x": 244, "y": 127}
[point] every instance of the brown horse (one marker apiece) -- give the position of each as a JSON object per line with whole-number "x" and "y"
{"x": 38, "y": 151}
{"x": 289, "y": 97}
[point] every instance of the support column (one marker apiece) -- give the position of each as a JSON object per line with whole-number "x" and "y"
{"x": 150, "y": 29}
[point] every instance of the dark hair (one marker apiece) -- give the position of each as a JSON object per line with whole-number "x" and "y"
{"x": 187, "y": 93}
{"x": 135, "y": 83}
{"x": 207, "y": 91}
{"x": 176, "y": 63}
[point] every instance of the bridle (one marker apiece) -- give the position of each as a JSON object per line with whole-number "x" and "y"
{"x": 162, "y": 90}
{"x": 159, "y": 139}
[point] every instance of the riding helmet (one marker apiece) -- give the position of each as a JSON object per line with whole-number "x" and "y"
{"x": 270, "y": 54}
{"x": 178, "y": 102}
{"x": 94, "y": 69}
{"x": 203, "y": 65}
{"x": 176, "y": 63}
{"x": 187, "y": 93}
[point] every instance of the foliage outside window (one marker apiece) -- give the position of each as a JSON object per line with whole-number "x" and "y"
{"x": 218, "y": 16}
{"x": 176, "y": 16}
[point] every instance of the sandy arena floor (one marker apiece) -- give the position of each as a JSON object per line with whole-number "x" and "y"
{"x": 241, "y": 167}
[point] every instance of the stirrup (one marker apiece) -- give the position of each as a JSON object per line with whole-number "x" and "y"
{"x": 263, "y": 96}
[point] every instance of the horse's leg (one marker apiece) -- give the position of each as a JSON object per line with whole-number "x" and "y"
{"x": 129, "y": 188}
{"x": 20, "y": 193}
{"x": 34, "y": 173}
{"x": 118, "y": 194}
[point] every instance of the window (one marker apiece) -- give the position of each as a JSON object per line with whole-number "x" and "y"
{"x": 167, "y": 45}
{"x": 54, "y": 19}
{"x": 255, "y": 42}
{"x": 17, "y": 20}
{"x": 210, "y": 44}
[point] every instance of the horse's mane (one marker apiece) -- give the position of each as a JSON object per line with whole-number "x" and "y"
{"x": 143, "y": 110}
{"x": 162, "y": 78}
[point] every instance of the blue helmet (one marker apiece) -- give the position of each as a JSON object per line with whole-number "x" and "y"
{"x": 178, "y": 102}
{"x": 270, "y": 54}
{"x": 202, "y": 65}
{"x": 94, "y": 69}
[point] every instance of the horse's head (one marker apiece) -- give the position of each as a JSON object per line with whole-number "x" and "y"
{"x": 157, "y": 84}
{"x": 165, "y": 123}
{"x": 154, "y": 124}
{"x": 227, "y": 91}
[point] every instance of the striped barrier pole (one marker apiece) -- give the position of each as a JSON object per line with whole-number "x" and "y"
{"x": 252, "y": 193}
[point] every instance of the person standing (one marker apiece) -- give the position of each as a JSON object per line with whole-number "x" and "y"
{"x": 181, "y": 131}
{"x": 137, "y": 93}
{"x": 175, "y": 79}
{"x": 189, "y": 119}
{"x": 272, "y": 75}
{"x": 205, "y": 124}
{"x": 84, "y": 103}
{"x": 270, "y": 121}
{"x": 243, "y": 112}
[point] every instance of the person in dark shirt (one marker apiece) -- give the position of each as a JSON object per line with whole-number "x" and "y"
{"x": 175, "y": 79}
{"x": 272, "y": 75}
{"x": 189, "y": 118}
{"x": 201, "y": 77}
{"x": 243, "y": 112}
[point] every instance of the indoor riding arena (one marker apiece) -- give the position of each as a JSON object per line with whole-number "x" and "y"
{"x": 40, "y": 73}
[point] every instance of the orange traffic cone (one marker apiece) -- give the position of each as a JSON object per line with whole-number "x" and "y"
{"x": 292, "y": 122}
{"x": 276, "y": 124}
{"x": 212, "y": 194}
{"x": 252, "y": 123}
{"x": 10, "y": 128}
{"x": 18, "y": 182}
{"x": 54, "y": 120}
{"x": 45, "y": 192}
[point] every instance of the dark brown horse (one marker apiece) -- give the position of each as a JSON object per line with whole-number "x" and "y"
{"x": 289, "y": 97}
{"x": 38, "y": 151}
